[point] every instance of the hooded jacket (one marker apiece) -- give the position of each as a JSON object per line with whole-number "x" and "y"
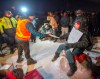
{"x": 84, "y": 42}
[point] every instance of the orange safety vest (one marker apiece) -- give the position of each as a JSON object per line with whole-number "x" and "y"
{"x": 22, "y": 33}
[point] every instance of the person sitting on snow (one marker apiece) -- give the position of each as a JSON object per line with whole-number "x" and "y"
{"x": 78, "y": 47}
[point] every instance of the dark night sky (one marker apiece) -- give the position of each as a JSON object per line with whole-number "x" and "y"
{"x": 48, "y": 5}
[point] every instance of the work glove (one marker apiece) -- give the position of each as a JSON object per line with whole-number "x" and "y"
{"x": 45, "y": 35}
{"x": 61, "y": 37}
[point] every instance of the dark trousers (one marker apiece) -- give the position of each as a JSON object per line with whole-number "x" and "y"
{"x": 69, "y": 55}
{"x": 1, "y": 42}
{"x": 55, "y": 33}
{"x": 10, "y": 42}
{"x": 10, "y": 38}
{"x": 23, "y": 46}
{"x": 33, "y": 38}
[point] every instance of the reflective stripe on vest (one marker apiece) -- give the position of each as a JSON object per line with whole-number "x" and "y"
{"x": 19, "y": 34}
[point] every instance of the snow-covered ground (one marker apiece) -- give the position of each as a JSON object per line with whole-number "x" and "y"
{"x": 43, "y": 52}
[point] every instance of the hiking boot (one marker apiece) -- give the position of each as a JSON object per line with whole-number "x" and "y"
{"x": 19, "y": 60}
{"x": 72, "y": 70}
{"x": 55, "y": 40}
{"x": 55, "y": 57}
{"x": 31, "y": 61}
{"x": 12, "y": 51}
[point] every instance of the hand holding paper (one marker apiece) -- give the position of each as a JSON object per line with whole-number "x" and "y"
{"x": 74, "y": 37}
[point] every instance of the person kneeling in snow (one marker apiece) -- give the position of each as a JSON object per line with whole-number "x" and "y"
{"x": 46, "y": 29}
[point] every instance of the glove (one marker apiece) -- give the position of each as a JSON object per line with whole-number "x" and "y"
{"x": 61, "y": 37}
{"x": 45, "y": 35}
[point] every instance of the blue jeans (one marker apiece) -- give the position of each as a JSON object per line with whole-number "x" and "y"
{"x": 69, "y": 55}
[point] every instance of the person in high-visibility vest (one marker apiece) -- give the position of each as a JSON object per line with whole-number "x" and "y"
{"x": 1, "y": 39}
{"x": 8, "y": 29}
{"x": 23, "y": 33}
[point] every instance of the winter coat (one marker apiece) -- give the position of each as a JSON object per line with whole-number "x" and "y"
{"x": 84, "y": 42}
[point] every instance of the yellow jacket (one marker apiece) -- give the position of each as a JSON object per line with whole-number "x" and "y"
{"x": 9, "y": 22}
{"x": 1, "y": 29}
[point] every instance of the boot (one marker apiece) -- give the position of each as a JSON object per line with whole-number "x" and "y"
{"x": 55, "y": 40}
{"x": 72, "y": 70}
{"x": 12, "y": 51}
{"x": 31, "y": 61}
{"x": 55, "y": 57}
{"x": 20, "y": 59}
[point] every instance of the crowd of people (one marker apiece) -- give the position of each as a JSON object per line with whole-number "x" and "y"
{"x": 17, "y": 32}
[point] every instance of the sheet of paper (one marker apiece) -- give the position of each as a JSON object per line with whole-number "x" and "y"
{"x": 5, "y": 67}
{"x": 74, "y": 36}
